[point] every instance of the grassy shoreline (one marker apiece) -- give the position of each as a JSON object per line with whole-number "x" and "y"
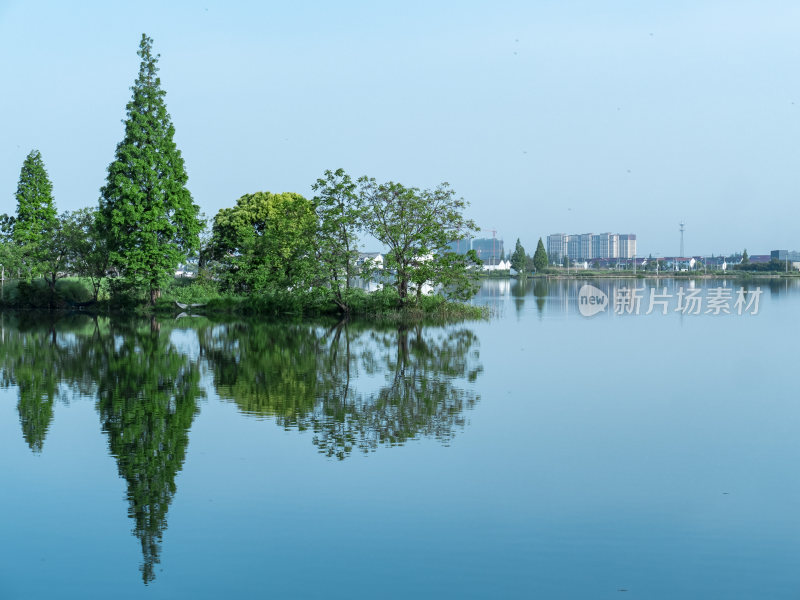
{"x": 72, "y": 295}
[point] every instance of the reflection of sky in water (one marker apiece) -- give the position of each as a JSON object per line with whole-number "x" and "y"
{"x": 654, "y": 454}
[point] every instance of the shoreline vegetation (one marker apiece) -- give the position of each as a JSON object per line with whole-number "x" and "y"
{"x": 74, "y": 294}
{"x": 270, "y": 254}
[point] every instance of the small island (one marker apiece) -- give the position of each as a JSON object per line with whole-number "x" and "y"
{"x": 146, "y": 246}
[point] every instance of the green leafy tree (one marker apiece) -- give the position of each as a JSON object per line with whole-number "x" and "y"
{"x": 146, "y": 211}
{"x": 519, "y": 259}
{"x": 36, "y": 220}
{"x": 88, "y": 248}
{"x": 417, "y": 226}
{"x": 265, "y": 242}
{"x": 339, "y": 214}
{"x": 10, "y": 255}
{"x": 745, "y": 257}
{"x": 540, "y": 257}
{"x": 56, "y": 252}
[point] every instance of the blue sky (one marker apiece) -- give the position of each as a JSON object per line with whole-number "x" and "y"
{"x": 546, "y": 116}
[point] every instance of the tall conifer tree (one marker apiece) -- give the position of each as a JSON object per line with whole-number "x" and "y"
{"x": 146, "y": 211}
{"x": 36, "y": 219}
{"x": 540, "y": 257}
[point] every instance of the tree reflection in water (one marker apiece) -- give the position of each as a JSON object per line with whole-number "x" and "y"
{"x": 147, "y": 397}
{"x": 306, "y": 377}
{"x": 356, "y": 387}
{"x": 35, "y": 357}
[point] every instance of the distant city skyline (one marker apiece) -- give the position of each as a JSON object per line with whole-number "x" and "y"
{"x": 576, "y": 116}
{"x": 589, "y": 246}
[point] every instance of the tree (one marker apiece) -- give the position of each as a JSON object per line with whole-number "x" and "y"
{"x": 540, "y": 257}
{"x": 745, "y": 257}
{"x": 417, "y": 226}
{"x": 264, "y": 242}
{"x": 10, "y": 255}
{"x": 339, "y": 213}
{"x": 54, "y": 253}
{"x": 146, "y": 211}
{"x": 519, "y": 261}
{"x": 36, "y": 219}
{"x": 88, "y": 253}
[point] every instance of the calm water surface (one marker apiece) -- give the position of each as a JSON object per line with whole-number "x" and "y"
{"x": 541, "y": 454}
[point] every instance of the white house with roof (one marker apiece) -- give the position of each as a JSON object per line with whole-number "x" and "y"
{"x": 373, "y": 259}
{"x": 500, "y": 265}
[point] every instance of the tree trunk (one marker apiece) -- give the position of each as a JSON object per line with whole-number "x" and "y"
{"x": 342, "y": 307}
{"x": 155, "y": 294}
{"x": 402, "y": 291}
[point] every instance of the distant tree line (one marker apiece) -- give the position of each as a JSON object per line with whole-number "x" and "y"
{"x": 524, "y": 264}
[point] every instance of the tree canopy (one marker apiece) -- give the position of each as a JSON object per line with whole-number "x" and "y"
{"x": 519, "y": 260}
{"x": 36, "y": 221}
{"x": 540, "y": 257}
{"x": 339, "y": 213}
{"x": 417, "y": 226}
{"x": 264, "y": 242}
{"x": 146, "y": 211}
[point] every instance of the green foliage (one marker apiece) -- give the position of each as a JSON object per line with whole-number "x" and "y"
{"x": 36, "y": 221}
{"x": 339, "y": 213}
{"x": 265, "y": 242}
{"x": 36, "y": 294}
{"x": 745, "y": 257}
{"x": 773, "y": 266}
{"x": 417, "y": 226}
{"x": 146, "y": 211}
{"x": 190, "y": 291}
{"x": 87, "y": 247}
{"x": 540, "y": 260}
{"x": 36, "y": 211}
{"x": 519, "y": 261}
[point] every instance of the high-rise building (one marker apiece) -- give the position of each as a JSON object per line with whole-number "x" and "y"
{"x": 585, "y": 241}
{"x": 627, "y": 245}
{"x": 557, "y": 247}
{"x": 606, "y": 245}
{"x": 785, "y": 255}
{"x": 574, "y": 247}
{"x": 489, "y": 250}
{"x": 460, "y": 246}
{"x": 587, "y": 246}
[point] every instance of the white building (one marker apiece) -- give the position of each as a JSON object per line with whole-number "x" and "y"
{"x": 502, "y": 265}
{"x": 373, "y": 259}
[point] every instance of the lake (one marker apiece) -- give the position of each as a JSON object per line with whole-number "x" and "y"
{"x": 647, "y": 450}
